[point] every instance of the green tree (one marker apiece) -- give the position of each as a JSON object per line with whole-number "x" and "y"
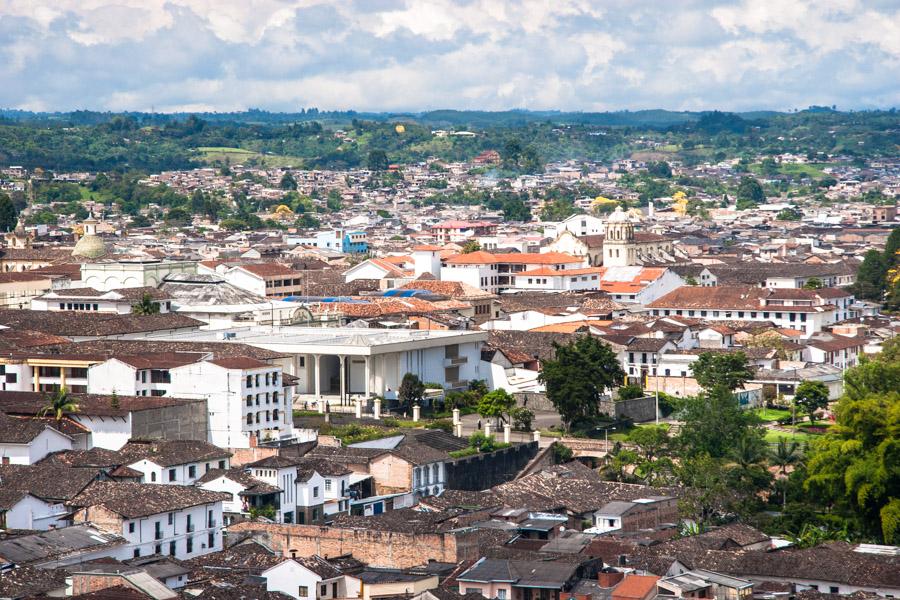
{"x": 178, "y": 216}
{"x": 578, "y": 376}
{"x": 811, "y": 396}
{"x": 785, "y": 454}
{"x": 470, "y": 246}
{"x": 58, "y": 404}
{"x": 146, "y": 306}
{"x": 496, "y": 404}
{"x": 288, "y": 182}
{"x": 726, "y": 370}
{"x": 9, "y": 217}
{"x": 892, "y": 248}
{"x": 854, "y": 469}
{"x": 813, "y": 283}
{"x": 659, "y": 169}
{"x": 749, "y": 193}
{"x": 412, "y": 390}
{"x": 522, "y": 418}
{"x": 789, "y": 214}
{"x": 712, "y": 423}
{"x": 377, "y": 160}
{"x": 870, "y": 279}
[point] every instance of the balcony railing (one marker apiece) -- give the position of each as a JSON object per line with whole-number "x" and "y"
{"x": 456, "y": 361}
{"x": 190, "y": 528}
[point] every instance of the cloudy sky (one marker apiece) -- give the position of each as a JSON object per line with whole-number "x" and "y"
{"x": 197, "y": 55}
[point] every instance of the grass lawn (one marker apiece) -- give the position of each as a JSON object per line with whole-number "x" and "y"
{"x": 219, "y": 154}
{"x": 772, "y": 436}
{"x": 772, "y": 414}
{"x": 813, "y": 170}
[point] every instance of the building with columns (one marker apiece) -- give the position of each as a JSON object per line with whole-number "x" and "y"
{"x": 336, "y": 366}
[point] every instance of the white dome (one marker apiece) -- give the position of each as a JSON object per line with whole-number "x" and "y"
{"x": 618, "y": 216}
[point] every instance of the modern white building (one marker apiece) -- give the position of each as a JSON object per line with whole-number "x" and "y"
{"x": 339, "y": 364}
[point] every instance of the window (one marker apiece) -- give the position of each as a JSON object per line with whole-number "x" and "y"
{"x": 250, "y": 419}
{"x": 137, "y": 553}
{"x": 501, "y": 594}
{"x": 153, "y": 477}
{"x": 221, "y": 464}
{"x": 327, "y": 485}
{"x": 211, "y": 540}
{"x": 315, "y": 491}
{"x": 315, "y": 514}
{"x": 833, "y": 589}
{"x": 189, "y": 546}
{"x": 171, "y": 518}
{"x": 249, "y": 399}
{"x": 249, "y": 381}
{"x": 131, "y": 528}
{"x": 303, "y": 591}
{"x": 157, "y": 549}
{"x": 172, "y": 475}
{"x": 324, "y": 589}
{"x": 171, "y": 548}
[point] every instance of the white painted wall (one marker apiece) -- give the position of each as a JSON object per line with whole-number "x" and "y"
{"x": 44, "y": 443}
{"x": 174, "y": 529}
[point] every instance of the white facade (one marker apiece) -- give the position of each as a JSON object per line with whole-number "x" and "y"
{"x": 107, "y": 276}
{"x": 297, "y": 581}
{"x": 241, "y": 401}
{"x": 30, "y": 512}
{"x": 46, "y": 442}
{"x": 183, "y": 534}
{"x": 580, "y": 225}
{"x": 184, "y": 474}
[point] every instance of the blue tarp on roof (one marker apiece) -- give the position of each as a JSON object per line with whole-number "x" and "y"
{"x": 308, "y": 299}
{"x": 404, "y": 293}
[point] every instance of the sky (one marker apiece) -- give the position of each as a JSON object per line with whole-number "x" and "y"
{"x": 415, "y": 55}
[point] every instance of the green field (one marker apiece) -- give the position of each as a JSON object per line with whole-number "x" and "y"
{"x": 772, "y": 436}
{"x": 772, "y": 414}
{"x": 813, "y": 170}
{"x": 241, "y": 156}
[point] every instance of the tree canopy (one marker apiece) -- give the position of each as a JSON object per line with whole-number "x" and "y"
{"x": 578, "y": 376}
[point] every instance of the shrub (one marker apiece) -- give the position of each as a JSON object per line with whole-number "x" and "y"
{"x": 442, "y": 424}
{"x": 522, "y": 418}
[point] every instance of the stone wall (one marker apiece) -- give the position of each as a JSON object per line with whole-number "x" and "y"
{"x": 639, "y": 410}
{"x": 482, "y": 471}
{"x": 188, "y": 420}
{"x": 533, "y": 401}
{"x": 388, "y": 549}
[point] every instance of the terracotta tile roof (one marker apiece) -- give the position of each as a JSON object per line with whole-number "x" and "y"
{"x": 29, "y": 403}
{"x": 161, "y": 360}
{"x": 452, "y": 289}
{"x": 73, "y": 324}
{"x": 133, "y": 500}
{"x": 20, "y": 277}
{"x": 635, "y": 587}
{"x": 269, "y": 270}
{"x": 239, "y": 362}
{"x": 547, "y": 272}
{"x": 486, "y": 258}
{"x": 167, "y": 453}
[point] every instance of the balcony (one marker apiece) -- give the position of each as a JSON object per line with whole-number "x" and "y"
{"x": 458, "y": 385}
{"x": 456, "y": 361}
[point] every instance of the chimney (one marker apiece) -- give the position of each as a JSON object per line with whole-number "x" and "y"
{"x": 609, "y": 579}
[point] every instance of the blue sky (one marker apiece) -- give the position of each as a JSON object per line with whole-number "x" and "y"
{"x": 197, "y": 55}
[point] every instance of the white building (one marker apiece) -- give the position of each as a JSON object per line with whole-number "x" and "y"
{"x": 311, "y": 578}
{"x": 112, "y": 275}
{"x": 497, "y": 272}
{"x": 179, "y": 521}
{"x": 338, "y": 364}
{"x": 246, "y": 397}
{"x": 120, "y": 301}
{"x": 580, "y": 225}
{"x": 26, "y": 441}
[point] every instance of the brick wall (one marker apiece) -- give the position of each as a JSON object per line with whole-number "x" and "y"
{"x": 101, "y": 517}
{"x": 243, "y": 456}
{"x": 377, "y": 548}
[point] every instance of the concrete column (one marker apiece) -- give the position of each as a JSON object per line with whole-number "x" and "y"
{"x": 342, "y": 359}
{"x": 507, "y": 429}
{"x": 537, "y": 436}
{"x": 456, "y": 419}
{"x": 62, "y": 377}
{"x": 36, "y": 373}
{"x": 358, "y": 407}
{"x": 368, "y": 377}
{"x": 317, "y": 381}
{"x": 487, "y": 428}
{"x": 457, "y": 429}
{"x": 417, "y": 413}
{"x": 376, "y": 408}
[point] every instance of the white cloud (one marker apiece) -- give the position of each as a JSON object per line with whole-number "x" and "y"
{"x": 421, "y": 54}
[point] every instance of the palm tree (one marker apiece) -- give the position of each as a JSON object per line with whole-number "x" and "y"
{"x": 786, "y": 453}
{"x": 146, "y": 306}
{"x": 59, "y": 404}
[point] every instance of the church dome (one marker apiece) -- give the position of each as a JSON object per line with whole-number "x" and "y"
{"x": 90, "y": 246}
{"x": 618, "y": 216}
